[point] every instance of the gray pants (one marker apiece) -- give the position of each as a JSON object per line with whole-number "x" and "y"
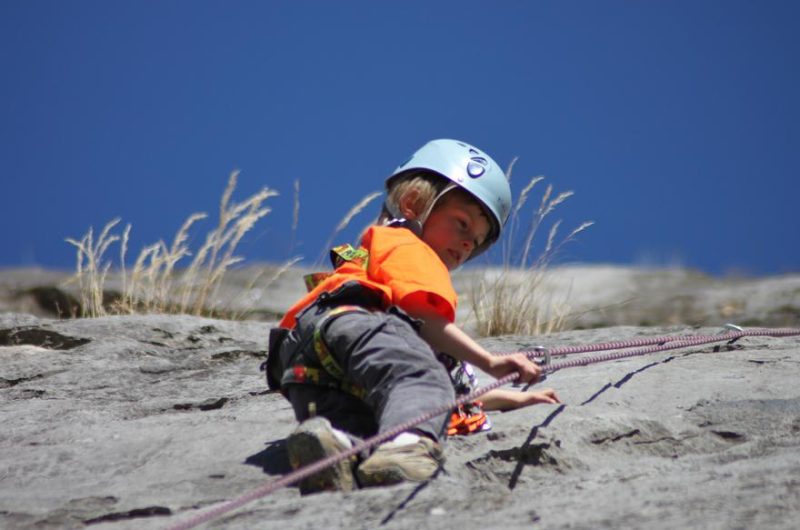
{"x": 380, "y": 352}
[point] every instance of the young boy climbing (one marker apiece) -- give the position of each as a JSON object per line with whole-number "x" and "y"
{"x": 358, "y": 354}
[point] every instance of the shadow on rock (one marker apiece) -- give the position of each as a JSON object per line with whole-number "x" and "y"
{"x": 274, "y": 460}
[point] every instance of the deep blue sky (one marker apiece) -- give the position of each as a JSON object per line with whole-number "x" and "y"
{"x": 676, "y": 123}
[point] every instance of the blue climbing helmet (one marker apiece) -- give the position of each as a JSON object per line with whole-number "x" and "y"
{"x": 472, "y": 170}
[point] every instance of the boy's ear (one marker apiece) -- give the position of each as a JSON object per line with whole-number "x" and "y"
{"x": 408, "y": 204}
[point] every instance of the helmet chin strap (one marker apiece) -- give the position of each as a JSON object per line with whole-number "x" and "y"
{"x": 395, "y": 218}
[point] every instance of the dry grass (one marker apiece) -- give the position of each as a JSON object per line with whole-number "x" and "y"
{"x": 154, "y": 285}
{"x": 511, "y": 300}
{"x": 355, "y": 210}
{"x": 515, "y": 299}
{"x": 295, "y": 215}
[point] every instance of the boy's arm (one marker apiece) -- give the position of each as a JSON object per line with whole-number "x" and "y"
{"x": 505, "y": 399}
{"x": 446, "y": 337}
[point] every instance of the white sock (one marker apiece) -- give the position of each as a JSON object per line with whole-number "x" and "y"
{"x": 406, "y": 438}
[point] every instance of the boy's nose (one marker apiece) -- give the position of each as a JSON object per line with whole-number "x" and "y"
{"x": 468, "y": 245}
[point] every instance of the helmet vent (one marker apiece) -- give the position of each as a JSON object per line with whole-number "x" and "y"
{"x": 475, "y": 170}
{"x": 476, "y": 166}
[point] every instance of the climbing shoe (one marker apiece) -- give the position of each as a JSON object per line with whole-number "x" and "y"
{"x": 408, "y": 457}
{"x": 313, "y": 440}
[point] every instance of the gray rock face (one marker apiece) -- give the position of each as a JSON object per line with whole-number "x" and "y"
{"x": 144, "y": 421}
{"x": 96, "y": 412}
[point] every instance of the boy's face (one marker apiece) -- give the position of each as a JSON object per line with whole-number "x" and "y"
{"x": 454, "y": 228}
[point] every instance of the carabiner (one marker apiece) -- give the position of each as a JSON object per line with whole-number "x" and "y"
{"x": 727, "y": 328}
{"x": 544, "y": 358}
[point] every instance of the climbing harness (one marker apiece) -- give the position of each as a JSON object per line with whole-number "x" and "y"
{"x": 328, "y": 372}
{"x": 642, "y": 346}
{"x": 319, "y": 367}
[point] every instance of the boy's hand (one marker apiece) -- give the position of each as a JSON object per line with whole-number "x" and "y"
{"x": 548, "y": 395}
{"x": 500, "y": 366}
{"x": 446, "y": 337}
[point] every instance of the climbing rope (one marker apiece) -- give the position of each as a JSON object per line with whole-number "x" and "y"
{"x": 653, "y": 345}
{"x": 733, "y": 333}
{"x": 541, "y": 355}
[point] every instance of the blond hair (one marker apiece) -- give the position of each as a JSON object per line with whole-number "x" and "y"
{"x": 427, "y": 186}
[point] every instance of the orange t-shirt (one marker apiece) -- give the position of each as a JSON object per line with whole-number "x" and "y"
{"x": 401, "y": 267}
